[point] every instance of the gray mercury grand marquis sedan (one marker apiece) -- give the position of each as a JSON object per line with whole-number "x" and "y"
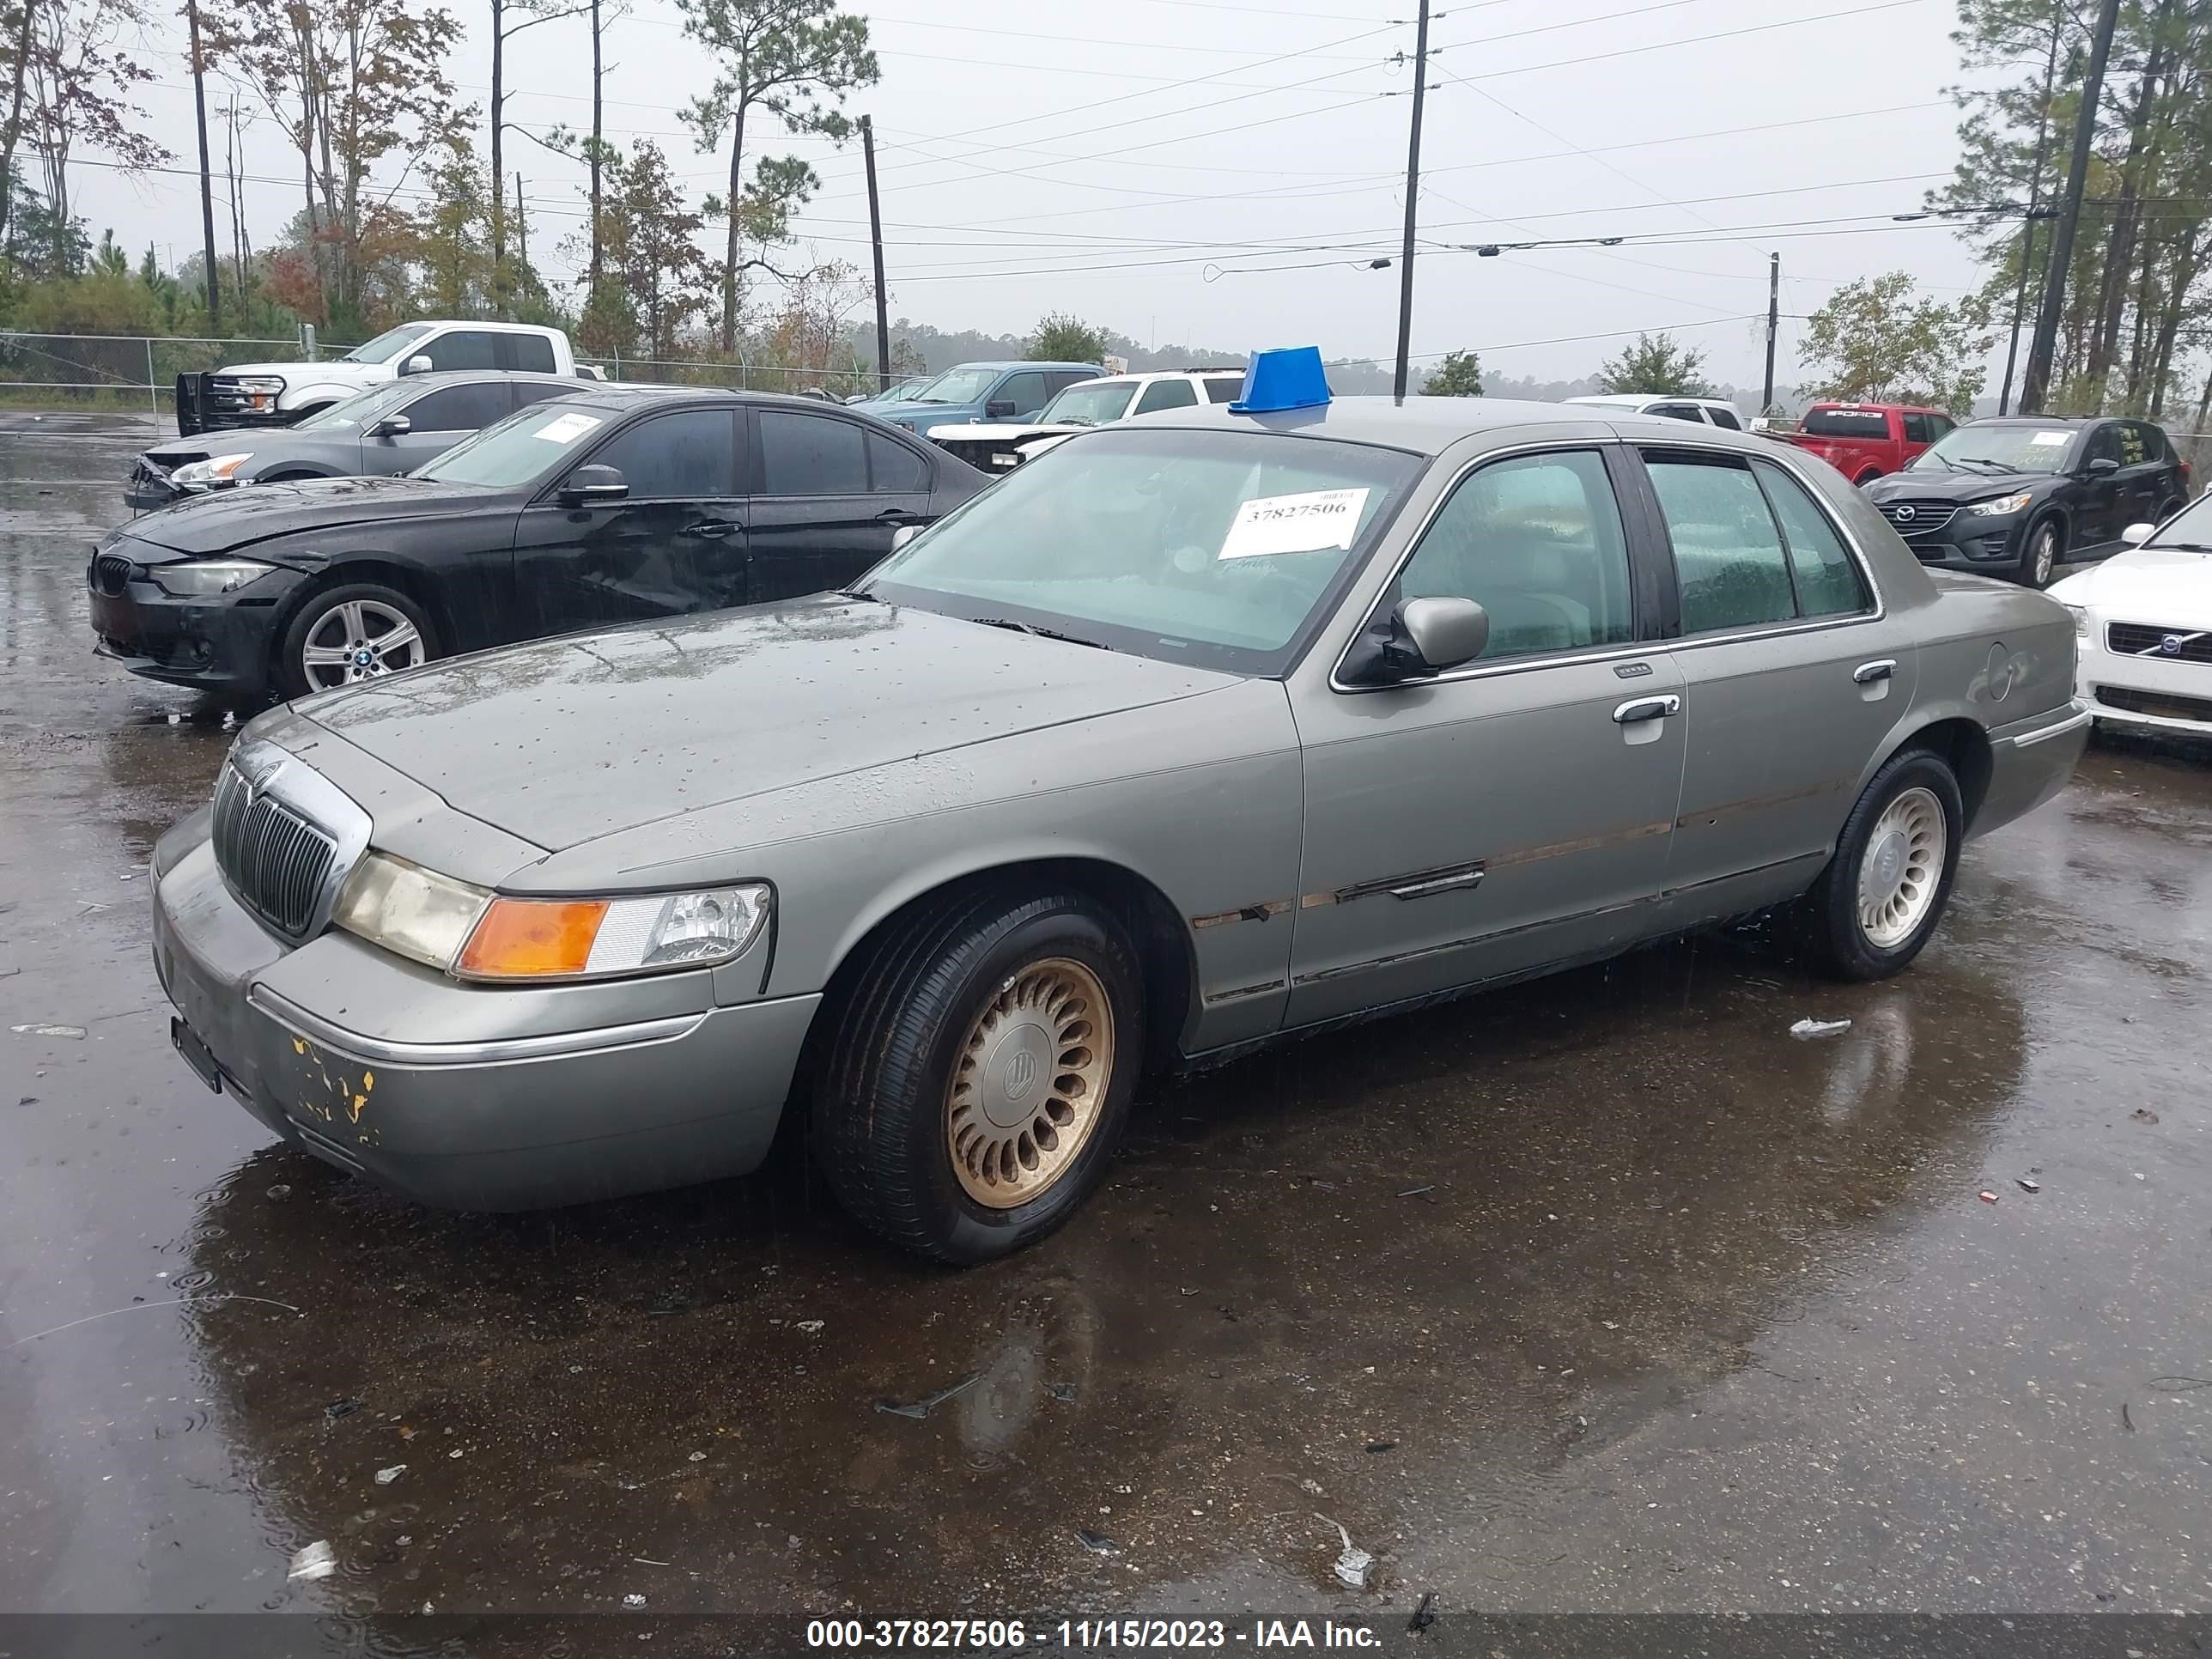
{"x": 1199, "y": 731}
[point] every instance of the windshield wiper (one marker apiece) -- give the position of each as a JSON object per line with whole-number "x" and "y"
{"x": 858, "y": 593}
{"x": 1041, "y": 633}
{"x": 1984, "y": 460}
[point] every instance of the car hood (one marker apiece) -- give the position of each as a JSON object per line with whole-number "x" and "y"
{"x": 904, "y": 410}
{"x": 296, "y": 373}
{"x": 2162, "y": 587}
{"x": 1935, "y": 484}
{"x": 224, "y": 521}
{"x": 562, "y": 741}
{"x": 229, "y": 441}
{"x": 985, "y": 432}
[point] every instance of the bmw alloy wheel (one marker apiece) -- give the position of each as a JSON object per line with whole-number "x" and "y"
{"x": 359, "y": 640}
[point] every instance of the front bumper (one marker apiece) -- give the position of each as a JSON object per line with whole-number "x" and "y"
{"x": 504, "y": 1122}
{"x": 2151, "y": 694}
{"x": 220, "y": 643}
{"x": 1987, "y": 545}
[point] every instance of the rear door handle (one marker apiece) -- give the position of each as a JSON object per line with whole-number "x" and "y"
{"x": 1868, "y": 672}
{"x": 711, "y": 528}
{"x": 899, "y": 515}
{"x": 1647, "y": 709}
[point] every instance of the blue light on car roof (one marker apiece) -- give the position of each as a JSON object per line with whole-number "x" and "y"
{"x": 1291, "y": 378}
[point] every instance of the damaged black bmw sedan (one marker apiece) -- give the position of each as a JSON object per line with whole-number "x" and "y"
{"x": 608, "y": 505}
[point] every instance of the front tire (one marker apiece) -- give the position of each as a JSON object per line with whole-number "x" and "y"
{"x": 1878, "y": 903}
{"x": 979, "y": 1072}
{"x": 2041, "y": 558}
{"x": 358, "y": 631}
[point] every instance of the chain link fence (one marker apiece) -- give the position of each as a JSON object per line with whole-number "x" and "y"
{"x": 135, "y": 374}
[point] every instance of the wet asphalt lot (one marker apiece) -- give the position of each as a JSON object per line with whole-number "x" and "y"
{"x": 1600, "y": 1294}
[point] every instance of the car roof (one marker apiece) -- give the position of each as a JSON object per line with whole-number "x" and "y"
{"x": 1007, "y": 362}
{"x": 1637, "y": 399}
{"x": 1427, "y": 426}
{"x": 2041, "y": 420}
{"x": 471, "y": 376}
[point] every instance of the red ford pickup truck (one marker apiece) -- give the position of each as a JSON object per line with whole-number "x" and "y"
{"x": 1867, "y": 441}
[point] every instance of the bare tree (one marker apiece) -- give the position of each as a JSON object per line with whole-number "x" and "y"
{"x": 75, "y": 85}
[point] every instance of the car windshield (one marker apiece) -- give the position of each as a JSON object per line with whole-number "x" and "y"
{"x": 1217, "y": 548}
{"x": 1994, "y": 448}
{"x": 521, "y": 449}
{"x": 2191, "y": 529}
{"x": 363, "y": 407}
{"x": 1846, "y": 424}
{"x": 1092, "y": 403}
{"x": 387, "y": 345}
{"x": 957, "y": 385}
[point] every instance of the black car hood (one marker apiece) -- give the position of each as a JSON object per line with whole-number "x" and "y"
{"x": 226, "y": 519}
{"x": 1964, "y": 485}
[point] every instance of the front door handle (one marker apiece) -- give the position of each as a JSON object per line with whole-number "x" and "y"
{"x": 1868, "y": 672}
{"x": 899, "y": 515}
{"x": 1647, "y": 709}
{"x": 713, "y": 529}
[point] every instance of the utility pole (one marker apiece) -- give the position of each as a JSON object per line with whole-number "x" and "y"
{"x": 1773, "y": 325}
{"x": 2036, "y": 387}
{"x": 1413, "y": 201}
{"x": 521, "y": 225}
{"x": 2027, "y": 229}
{"x": 876, "y": 239}
{"x": 207, "y": 175}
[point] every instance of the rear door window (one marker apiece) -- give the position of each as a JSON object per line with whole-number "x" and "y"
{"x": 691, "y": 455}
{"x": 1827, "y": 579}
{"x": 462, "y": 348}
{"x": 1165, "y": 394}
{"x": 1730, "y": 560}
{"x": 533, "y": 353}
{"x": 460, "y": 408}
{"x": 894, "y": 469}
{"x": 1724, "y": 417}
{"x": 1917, "y": 430}
{"x": 1028, "y": 392}
{"x": 1221, "y": 389}
{"x": 811, "y": 455}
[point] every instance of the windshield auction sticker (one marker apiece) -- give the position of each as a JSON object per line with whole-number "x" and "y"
{"x": 566, "y": 429}
{"x": 1294, "y": 523}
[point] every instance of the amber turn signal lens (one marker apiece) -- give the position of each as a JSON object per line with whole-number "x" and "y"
{"x": 525, "y": 938}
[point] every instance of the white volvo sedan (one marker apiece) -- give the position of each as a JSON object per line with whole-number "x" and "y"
{"x": 2143, "y": 623}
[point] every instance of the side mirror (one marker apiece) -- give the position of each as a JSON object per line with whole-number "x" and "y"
{"x": 418, "y": 364}
{"x": 2103, "y": 466}
{"x": 392, "y": 426}
{"x": 1421, "y": 636}
{"x": 2137, "y": 534}
{"x": 588, "y": 485}
{"x": 999, "y": 408}
{"x": 907, "y": 532}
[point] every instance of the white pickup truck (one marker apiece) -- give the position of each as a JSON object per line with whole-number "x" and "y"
{"x": 281, "y": 394}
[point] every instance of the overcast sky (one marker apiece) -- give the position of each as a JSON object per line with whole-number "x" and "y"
{"x": 1216, "y": 172}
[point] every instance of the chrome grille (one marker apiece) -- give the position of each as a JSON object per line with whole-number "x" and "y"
{"x": 1917, "y": 518}
{"x": 275, "y": 861}
{"x": 111, "y": 574}
{"x": 2148, "y": 639}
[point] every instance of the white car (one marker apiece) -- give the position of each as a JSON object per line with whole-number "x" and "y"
{"x": 2143, "y": 622}
{"x": 1702, "y": 412}
{"x": 1001, "y": 448}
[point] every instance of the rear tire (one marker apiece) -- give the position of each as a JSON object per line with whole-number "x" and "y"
{"x": 354, "y": 632}
{"x": 1878, "y": 903}
{"x": 979, "y": 1072}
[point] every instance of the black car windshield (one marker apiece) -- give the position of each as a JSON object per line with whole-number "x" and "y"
{"x": 1217, "y": 548}
{"x": 387, "y": 345}
{"x": 521, "y": 449}
{"x": 1994, "y": 448}
{"x": 1092, "y": 403}
{"x": 958, "y": 385}
{"x": 363, "y": 407}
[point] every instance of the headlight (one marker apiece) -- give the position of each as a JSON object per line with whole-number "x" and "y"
{"x": 475, "y": 934}
{"x": 1997, "y": 508}
{"x": 575, "y": 938}
{"x": 404, "y": 908}
{"x": 201, "y": 577}
{"x": 216, "y": 469}
{"x": 265, "y": 383}
{"x": 2081, "y": 628}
